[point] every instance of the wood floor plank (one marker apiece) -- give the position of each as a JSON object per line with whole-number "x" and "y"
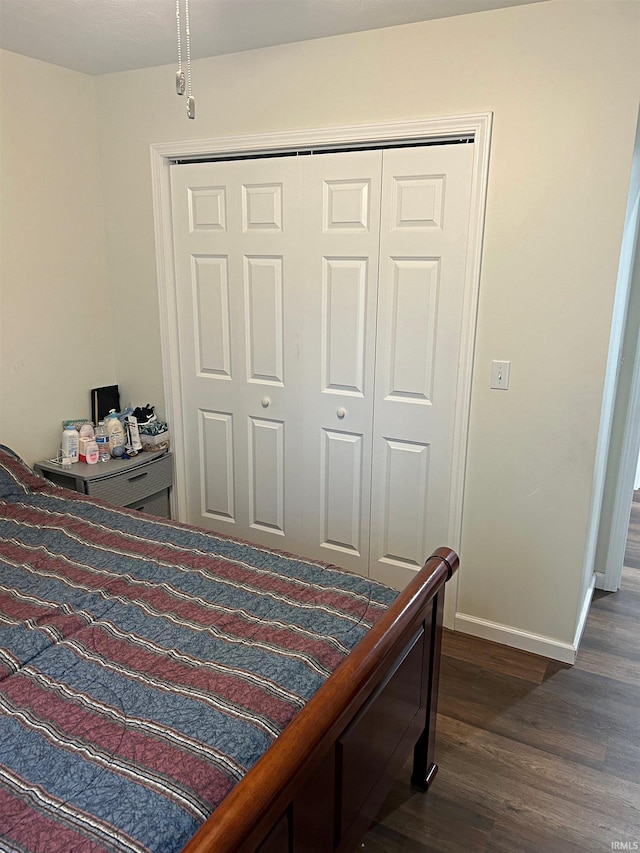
{"x": 601, "y": 704}
{"x": 611, "y": 665}
{"x": 623, "y": 758}
{"x": 496, "y": 657}
{"x": 514, "y": 708}
{"x": 535, "y": 756}
{"x": 606, "y": 633}
{"x": 517, "y": 837}
{"x": 423, "y": 822}
{"x": 534, "y": 777}
{"x": 384, "y": 839}
{"x": 517, "y": 785}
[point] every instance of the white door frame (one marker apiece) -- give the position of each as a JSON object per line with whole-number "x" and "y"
{"x": 442, "y": 129}
{"x": 620, "y": 421}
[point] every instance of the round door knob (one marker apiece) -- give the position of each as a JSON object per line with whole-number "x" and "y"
{"x": 341, "y": 412}
{"x": 265, "y": 402}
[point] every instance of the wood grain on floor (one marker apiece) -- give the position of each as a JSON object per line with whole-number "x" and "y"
{"x": 535, "y": 756}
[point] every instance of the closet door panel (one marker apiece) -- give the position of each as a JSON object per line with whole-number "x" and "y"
{"x": 341, "y": 492}
{"x": 238, "y": 250}
{"x": 342, "y": 208}
{"x": 423, "y": 240}
{"x": 404, "y": 508}
{"x": 413, "y": 302}
{"x": 344, "y": 325}
{"x": 264, "y": 320}
{"x": 266, "y": 475}
{"x": 211, "y": 321}
{"x": 216, "y": 462}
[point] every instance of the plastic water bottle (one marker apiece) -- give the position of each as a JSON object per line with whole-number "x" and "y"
{"x": 102, "y": 440}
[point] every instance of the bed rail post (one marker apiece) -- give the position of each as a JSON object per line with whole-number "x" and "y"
{"x": 424, "y": 766}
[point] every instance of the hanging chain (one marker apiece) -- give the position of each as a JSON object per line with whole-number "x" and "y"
{"x": 179, "y": 72}
{"x": 191, "y": 101}
{"x": 180, "y": 80}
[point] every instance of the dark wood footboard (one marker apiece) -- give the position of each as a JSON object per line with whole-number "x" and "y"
{"x": 319, "y": 786}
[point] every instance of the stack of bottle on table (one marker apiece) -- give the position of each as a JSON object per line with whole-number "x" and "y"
{"x": 79, "y": 445}
{"x": 108, "y": 439}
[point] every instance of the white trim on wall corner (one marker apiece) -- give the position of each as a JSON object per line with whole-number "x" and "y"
{"x": 584, "y": 613}
{"x": 163, "y": 154}
{"x": 535, "y": 643}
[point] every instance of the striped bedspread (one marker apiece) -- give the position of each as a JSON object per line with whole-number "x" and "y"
{"x": 145, "y": 665}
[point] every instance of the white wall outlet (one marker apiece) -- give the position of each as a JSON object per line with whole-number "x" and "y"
{"x": 500, "y": 371}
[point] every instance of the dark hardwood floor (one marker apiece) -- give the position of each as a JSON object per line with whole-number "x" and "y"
{"x": 535, "y": 756}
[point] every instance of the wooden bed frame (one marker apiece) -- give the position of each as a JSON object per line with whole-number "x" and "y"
{"x": 319, "y": 786}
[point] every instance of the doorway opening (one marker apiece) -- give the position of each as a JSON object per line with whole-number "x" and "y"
{"x": 619, "y": 440}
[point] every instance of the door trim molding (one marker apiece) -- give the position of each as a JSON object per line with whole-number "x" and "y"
{"x": 162, "y": 154}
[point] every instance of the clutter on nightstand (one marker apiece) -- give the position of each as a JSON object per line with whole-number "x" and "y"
{"x": 117, "y": 434}
{"x": 154, "y": 434}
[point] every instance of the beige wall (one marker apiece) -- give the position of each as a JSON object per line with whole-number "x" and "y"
{"x": 563, "y": 81}
{"x": 56, "y": 340}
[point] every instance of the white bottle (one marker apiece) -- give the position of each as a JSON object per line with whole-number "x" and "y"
{"x": 70, "y": 439}
{"x": 102, "y": 440}
{"x": 134, "y": 433}
{"x": 86, "y": 431}
{"x": 92, "y": 454}
{"x": 116, "y": 434}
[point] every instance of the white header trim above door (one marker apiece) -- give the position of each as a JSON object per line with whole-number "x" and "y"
{"x": 478, "y": 126}
{"x": 163, "y": 154}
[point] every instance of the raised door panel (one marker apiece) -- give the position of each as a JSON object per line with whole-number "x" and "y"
{"x": 267, "y": 475}
{"x": 264, "y": 320}
{"x": 344, "y": 325}
{"x": 413, "y": 305}
{"x": 403, "y": 503}
{"x": 341, "y": 492}
{"x": 216, "y": 461}
{"x": 211, "y": 320}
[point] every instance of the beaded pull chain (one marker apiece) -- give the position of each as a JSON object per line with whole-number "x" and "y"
{"x": 179, "y": 72}
{"x": 180, "y": 76}
{"x": 191, "y": 101}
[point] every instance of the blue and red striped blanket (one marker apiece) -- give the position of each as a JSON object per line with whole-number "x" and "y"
{"x": 146, "y": 665}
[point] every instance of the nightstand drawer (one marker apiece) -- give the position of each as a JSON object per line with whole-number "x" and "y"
{"x": 133, "y": 485}
{"x": 157, "y": 504}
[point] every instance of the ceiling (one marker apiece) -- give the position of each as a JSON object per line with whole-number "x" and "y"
{"x": 102, "y": 36}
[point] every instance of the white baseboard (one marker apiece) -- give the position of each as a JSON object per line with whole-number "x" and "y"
{"x": 535, "y": 643}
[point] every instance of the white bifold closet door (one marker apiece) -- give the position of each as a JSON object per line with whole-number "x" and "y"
{"x": 319, "y": 303}
{"x": 237, "y": 257}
